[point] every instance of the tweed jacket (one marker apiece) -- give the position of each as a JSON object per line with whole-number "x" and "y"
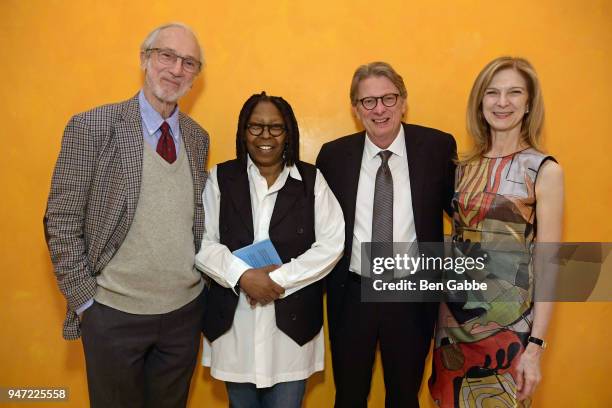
{"x": 94, "y": 193}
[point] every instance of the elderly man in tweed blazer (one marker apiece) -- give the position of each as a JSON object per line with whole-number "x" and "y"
{"x": 123, "y": 223}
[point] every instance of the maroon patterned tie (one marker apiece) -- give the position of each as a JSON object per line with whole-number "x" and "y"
{"x": 165, "y": 145}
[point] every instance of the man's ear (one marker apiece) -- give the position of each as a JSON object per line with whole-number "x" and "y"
{"x": 405, "y": 107}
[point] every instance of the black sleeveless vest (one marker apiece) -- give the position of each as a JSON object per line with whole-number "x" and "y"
{"x": 299, "y": 315}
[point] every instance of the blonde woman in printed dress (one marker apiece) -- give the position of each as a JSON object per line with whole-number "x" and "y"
{"x": 508, "y": 194}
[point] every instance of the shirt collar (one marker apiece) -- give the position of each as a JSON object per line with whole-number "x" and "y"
{"x": 293, "y": 170}
{"x": 152, "y": 119}
{"x": 398, "y": 147}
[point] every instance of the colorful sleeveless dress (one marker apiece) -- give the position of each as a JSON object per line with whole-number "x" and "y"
{"x": 479, "y": 340}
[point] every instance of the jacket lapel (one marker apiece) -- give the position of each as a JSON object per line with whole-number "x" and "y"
{"x": 189, "y": 143}
{"x": 129, "y": 138}
{"x": 351, "y": 168}
{"x": 417, "y": 174}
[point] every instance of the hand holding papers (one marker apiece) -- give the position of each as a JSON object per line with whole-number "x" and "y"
{"x": 259, "y": 254}
{"x": 256, "y": 282}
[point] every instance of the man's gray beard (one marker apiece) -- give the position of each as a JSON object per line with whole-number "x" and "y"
{"x": 158, "y": 91}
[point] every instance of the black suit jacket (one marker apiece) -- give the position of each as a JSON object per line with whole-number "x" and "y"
{"x": 431, "y": 164}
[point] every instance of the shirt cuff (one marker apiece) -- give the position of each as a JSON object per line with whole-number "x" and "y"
{"x": 278, "y": 276}
{"x": 84, "y": 306}
{"x": 234, "y": 272}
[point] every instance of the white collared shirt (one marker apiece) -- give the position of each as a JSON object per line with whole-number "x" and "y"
{"x": 403, "y": 217}
{"x": 254, "y": 350}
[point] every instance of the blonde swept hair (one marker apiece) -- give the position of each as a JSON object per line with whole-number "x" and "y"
{"x": 376, "y": 69}
{"x": 532, "y": 123}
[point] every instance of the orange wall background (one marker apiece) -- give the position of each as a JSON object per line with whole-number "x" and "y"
{"x": 63, "y": 57}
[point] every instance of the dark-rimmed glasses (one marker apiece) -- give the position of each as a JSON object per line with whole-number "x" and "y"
{"x": 388, "y": 100}
{"x": 275, "y": 129}
{"x": 168, "y": 57}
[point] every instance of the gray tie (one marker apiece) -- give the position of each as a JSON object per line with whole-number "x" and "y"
{"x": 382, "y": 212}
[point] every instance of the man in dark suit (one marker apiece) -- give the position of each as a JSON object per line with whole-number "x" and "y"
{"x": 124, "y": 220}
{"x": 393, "y": 181}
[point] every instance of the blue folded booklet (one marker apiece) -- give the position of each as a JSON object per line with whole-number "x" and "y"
{"x": 259, "y": 254}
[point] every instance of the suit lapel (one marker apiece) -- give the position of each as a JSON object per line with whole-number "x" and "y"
{"x": 352, "y": 169}
{"x": 189, "y": 143}
{"x": 128, "y": 133}
{"x": 417, "y": 174}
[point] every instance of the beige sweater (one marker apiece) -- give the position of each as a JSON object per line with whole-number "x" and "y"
{"x": 153, "y": 271}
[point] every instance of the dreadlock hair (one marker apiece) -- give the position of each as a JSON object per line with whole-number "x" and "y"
{"x": 291, "y": 152}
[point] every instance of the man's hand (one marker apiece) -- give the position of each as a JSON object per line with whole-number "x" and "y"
{"x": 259, "y": 286}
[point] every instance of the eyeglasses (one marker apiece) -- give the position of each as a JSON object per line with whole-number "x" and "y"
{"x": 370, "y": 102}
{"x": 256, "y": 129}
{"x": 168, "y": 57}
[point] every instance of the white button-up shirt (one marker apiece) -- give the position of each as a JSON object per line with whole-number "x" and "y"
{"x": 254, "y": 350}
{"x": 403, "y": 217}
